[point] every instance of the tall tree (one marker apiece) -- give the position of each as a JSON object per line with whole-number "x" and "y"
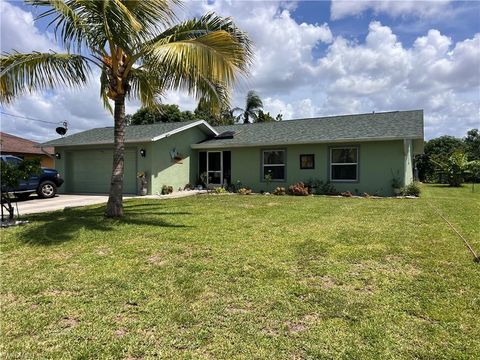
{"x": 437, "y": 149}
{"x": 253, "y": 104}
{"x": 163, "y": 113}
{"x": 266, "y": 117}
{"x": 472, "y": 143}
{"x": 214, "y": 115}
{"x": 139, "y": 53}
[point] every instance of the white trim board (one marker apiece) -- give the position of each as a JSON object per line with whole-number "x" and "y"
{"x": 186, "y": 127}
{"x": 212, "y": 145}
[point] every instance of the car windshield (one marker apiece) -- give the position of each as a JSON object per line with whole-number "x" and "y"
{"x": 13, "y": 160}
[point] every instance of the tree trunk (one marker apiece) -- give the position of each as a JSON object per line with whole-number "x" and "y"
{"x": 115, "y": 204}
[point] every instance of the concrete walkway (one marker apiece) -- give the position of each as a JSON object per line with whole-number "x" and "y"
{"x": 37, "y": 205}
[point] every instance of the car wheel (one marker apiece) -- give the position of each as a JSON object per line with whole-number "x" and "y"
{"x": 22, "y": 196}
{"x": 47, "y": 189}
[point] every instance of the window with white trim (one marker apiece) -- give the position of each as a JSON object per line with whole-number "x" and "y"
{"x": 344, "y": 163}
{"x": 273, "y": 163}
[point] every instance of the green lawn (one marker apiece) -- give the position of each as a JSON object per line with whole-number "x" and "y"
{"x": 225, "y": 277}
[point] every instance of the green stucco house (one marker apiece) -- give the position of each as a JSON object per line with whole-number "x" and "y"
{"x": 357, "y": 153}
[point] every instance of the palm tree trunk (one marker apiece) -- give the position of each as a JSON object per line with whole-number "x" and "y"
{"x": 115, "y": 205}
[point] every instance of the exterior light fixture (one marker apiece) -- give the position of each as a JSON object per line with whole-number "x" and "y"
{"x": 143, "y": 152}
{"x": 58, "y": 155}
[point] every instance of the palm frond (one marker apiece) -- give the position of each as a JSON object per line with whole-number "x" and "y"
{"x": 71, "y": 27}
{"x": 253, "y": 102}
{"x": 152, "y": 14}
{"x": 104, "y": 88}
{"x": 211, "y": 46}
{"x": 21, "y": 73}
{"x": 146, "y": 86}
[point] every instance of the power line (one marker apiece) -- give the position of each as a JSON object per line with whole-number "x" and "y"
{"x": 31, "y": 119}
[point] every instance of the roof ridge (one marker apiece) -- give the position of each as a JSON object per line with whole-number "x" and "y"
{"x": 325, "y": 117}
{"x": 2, "y": 133}
{"x": 166, "y": 122}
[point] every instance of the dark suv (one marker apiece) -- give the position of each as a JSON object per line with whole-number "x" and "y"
{"x": 44, "y": 184}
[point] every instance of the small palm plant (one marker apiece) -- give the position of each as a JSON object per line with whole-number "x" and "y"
{"x": 268, "y": 179}
{"x": 454, "y": 168}
{"x": 139, "y": 53}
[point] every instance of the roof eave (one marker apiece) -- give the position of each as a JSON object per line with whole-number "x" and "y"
{"x": 186, "y": 127}
{"x": 54, "y": 143}
{"x": 282, "y": 143}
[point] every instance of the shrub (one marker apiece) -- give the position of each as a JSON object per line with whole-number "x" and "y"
{"x": 412, "y": 189}
{"x": 328, "y": 189}
{"x": 454, "y": 169}
{"x": 313, "y": 185}
{"x": 318, "y": 187}
{"x": 220, "y": 190}
{"x": 244, "y": 191}
{"x": 298, "y": 189}
{"x": 188, "y": 187}
{"x": 279, "y": 191}
{"x": 167, "y": 189}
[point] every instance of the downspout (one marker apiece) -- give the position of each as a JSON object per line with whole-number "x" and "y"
{"x": 46, "y": 153}
{"x": 407, "y": 161}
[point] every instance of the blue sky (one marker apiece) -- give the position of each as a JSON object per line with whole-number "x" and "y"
{"x": 313, "y": 58}
{"x": 406, "y": 27}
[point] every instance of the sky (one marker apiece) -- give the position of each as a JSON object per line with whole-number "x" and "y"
{"x": 312, "y": 58}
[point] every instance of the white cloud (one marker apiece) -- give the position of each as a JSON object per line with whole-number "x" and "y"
{"x": 341, "y": 9}
{"x": 381, "y": 74}
{"x": 283, "y": 47}
{"x": 17, "y": 31}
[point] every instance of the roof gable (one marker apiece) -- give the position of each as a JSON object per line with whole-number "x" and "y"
{"x": 133, "y": 134}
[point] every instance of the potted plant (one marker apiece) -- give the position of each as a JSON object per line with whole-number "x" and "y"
{"x": 142, "y": 179}
{"x": 204, "y": 179}
{"x": 268, "y": 179}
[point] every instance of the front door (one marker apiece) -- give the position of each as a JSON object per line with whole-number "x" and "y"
{"x": 215, "y": 168}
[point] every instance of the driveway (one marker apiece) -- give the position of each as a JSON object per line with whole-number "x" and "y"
{"x": 36, "y": 205}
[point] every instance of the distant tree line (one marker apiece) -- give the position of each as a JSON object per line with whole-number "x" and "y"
{"x": 451, "y": 160}
{"x": 250, "y": 113}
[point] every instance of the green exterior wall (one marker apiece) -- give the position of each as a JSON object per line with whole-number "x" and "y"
{"x": 379, "y": 161}
{"x": 164, "y": 171}
{"x": 157, "y": 164}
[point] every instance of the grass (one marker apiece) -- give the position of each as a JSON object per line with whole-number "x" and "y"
{"x": 226, "y": 277}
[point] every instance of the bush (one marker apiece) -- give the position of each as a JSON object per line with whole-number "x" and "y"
{"x": 167, "y": 189}
{"x": 279, "y": 191}
{"x": 327, "y": 189}
{"x": 412, "y": 189}
{"x": 318, "y": 187}
{"x": 244, "y": 191}
{"x": 220, "y": 190}
{"x": 454, "y": 169}
{"x": 298, "y": 189}
{"x": 188, "y": 187}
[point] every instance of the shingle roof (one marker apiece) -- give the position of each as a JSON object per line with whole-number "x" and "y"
{"x": 133, "y": 134}
{"x": 362, "y": 127}
{"x": 16, "y": 145}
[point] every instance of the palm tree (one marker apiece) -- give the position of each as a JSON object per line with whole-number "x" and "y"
{"x": 139, "y": 53}
{"x": 253, "y": 104}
